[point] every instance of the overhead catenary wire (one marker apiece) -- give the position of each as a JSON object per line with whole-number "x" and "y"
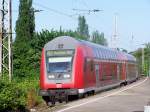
{"x": 59, "y": 12}
{"x": 88, "y": 7}
{"x": 85, "y": 4}
{"x": 52, "y": 10}
{"x": 86, "y": 11}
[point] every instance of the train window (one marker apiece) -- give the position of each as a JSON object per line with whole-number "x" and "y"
{"x": 110, "y": 53}
{"x": 92, "y": 65}
{"x": 95, "y": 53}
{"x": 104, "y": 72}
{"x": 97, "y": 74}
{"x": 107, "y": 54}
{"x": 59, "y": 64}
{"x": 104, "y": 54}
{"x": 115, "y": 56}
{"x": 100, "y": 53}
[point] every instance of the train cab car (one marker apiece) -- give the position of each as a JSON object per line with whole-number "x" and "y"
{"x": 75, "y": 67}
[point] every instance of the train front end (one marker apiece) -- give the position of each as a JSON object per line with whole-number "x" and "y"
{"x": 57, "y": 79}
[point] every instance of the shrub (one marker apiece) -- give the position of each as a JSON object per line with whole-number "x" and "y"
{"x": 30, "y": 88}
{"x": 12, "y": 98}
{"x": 18, "y": 95}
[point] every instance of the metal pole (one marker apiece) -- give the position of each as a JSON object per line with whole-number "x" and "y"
{"x": 1, "y": 37}
{"x": 3, "y": 30}
{"x": 114, "y": 38}
{"x": 142, "y": 59}
{"x": 149, "y": 67}
{"x": 10, "y": 40}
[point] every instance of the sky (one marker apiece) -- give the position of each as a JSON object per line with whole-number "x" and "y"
{"x": 133, "y": 18}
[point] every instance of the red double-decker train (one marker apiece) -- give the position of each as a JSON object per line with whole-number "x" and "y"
{"x": 75, "y": 67}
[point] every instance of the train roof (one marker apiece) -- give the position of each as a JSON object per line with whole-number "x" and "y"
{"x": 99, "y": 50}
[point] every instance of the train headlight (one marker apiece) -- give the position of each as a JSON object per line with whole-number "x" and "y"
{"x": 66, "y": 75}
{"x": 51, "y": 76}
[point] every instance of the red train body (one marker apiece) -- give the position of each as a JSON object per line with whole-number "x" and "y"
{"x": 76, "y": 67}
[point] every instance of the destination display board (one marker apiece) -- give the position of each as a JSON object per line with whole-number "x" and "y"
{"x": 60, "y": 53}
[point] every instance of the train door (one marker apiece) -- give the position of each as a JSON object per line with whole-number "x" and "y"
{"x": 118, "y": 71}
{"x": 85, "y": 71}
{"x": 97, "y": 75}
{"x": 127, "y": 72}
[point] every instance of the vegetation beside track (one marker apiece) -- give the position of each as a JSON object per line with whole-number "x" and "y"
{"x": 18, "y": 95}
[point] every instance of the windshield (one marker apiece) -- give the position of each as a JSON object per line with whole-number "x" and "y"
{"x": 59, "y": 64}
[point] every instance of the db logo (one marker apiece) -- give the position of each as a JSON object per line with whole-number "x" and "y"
{"x": 59, "y": 85}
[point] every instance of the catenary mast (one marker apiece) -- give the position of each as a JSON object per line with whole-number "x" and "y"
{"x": 6, "y": 38}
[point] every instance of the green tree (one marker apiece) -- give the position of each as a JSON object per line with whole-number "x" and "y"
{"x": 25, "y": 25}
{"x": 138, "y": 54}
{"x": 99, "y": 38}
{"x": 25, "y": 29}
{"x": 83, "y": 28}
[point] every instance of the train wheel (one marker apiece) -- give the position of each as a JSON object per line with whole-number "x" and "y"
{"x": 60, "y": 100}
{"x": 80, "y": 96}
{"x": 49, "y": 104}
{"x": 46, "y": 99}
{"x": 122, "y": 84}
{"x": 66, "y": 98}
{"x": 52, "y": 99}
{"x": 126, "y": 83}
{"x": 93, "y": 92}
{"x": 85, "y": 95}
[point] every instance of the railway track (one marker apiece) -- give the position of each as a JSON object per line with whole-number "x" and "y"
{"x": 58, "y": 106}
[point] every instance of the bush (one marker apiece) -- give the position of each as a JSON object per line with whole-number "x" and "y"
{"x": 12, "y": 98}
{"x": 31, "y": 88}
{"x": 18, "y": 95}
